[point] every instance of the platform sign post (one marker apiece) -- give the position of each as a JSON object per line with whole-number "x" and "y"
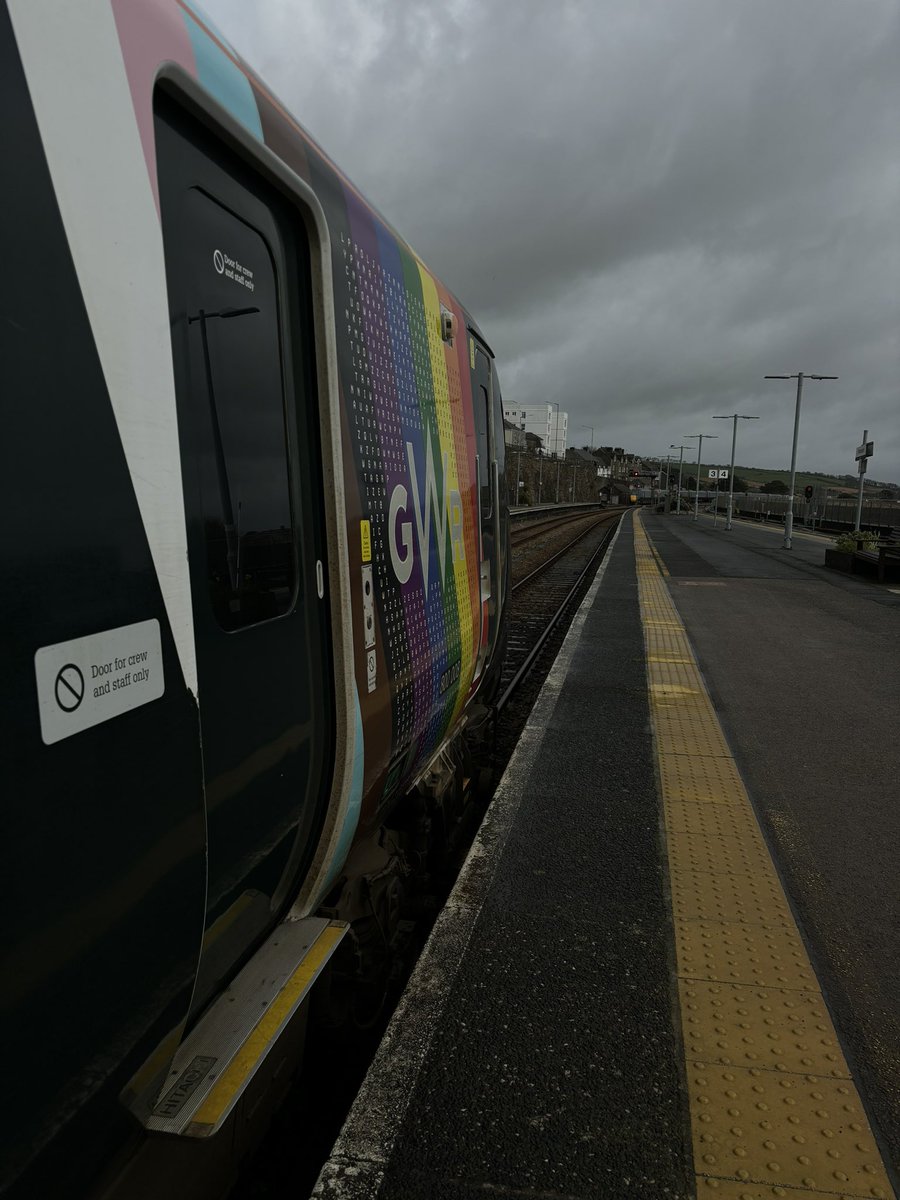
{"x": 714, "y": 475}
{"x": 863, "y": 453}
{"x": 789, "y": 515}
{"x": 718, "y": 476}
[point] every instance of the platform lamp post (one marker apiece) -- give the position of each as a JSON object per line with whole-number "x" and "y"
{"x": 701, "y": 436}
{"x": 789, "y": 515}
{"x": 680, "y": 466}
{"x": 734, "y": 417}
{"x": 669, "y": 458}
{"x": 659, "y": 474}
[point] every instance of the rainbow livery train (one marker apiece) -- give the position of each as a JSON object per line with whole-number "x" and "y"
{"x": 256, "y": 570}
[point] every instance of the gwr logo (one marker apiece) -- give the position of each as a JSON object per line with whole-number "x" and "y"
{"x": 445, "y": 510}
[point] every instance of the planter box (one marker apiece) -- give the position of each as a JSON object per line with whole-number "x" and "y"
{"x": 839, "y": 560}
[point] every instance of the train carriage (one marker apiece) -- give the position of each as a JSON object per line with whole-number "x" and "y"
{"x": 255, "y": 565}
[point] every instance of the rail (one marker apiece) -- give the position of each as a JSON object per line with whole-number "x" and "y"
{"x": 523, "y": 670}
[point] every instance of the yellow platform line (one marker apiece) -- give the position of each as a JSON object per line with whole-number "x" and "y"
{"x": 774, "y": 1111}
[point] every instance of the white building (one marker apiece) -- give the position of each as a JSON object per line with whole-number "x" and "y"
{"x": 548, "y": 422}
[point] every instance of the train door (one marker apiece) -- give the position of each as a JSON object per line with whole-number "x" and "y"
{"x": 237, "y": 263}
{"x": 486, "y": 434}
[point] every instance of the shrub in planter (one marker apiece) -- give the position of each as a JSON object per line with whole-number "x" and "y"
{"x": 857, "y": 540}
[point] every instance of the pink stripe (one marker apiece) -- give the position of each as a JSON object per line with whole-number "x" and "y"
{"x": 150, "y": 36}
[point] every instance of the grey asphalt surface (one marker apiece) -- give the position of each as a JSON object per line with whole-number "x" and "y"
{"x": 803, "y": 665}
{"x": 535, "y": 1052}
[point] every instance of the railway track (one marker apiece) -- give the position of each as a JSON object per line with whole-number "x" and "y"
{"x": 543, "y": 598}
{"x": 520, "y": 532}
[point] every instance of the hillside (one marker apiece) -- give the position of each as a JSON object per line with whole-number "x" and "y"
{"x": 760, "y": 475}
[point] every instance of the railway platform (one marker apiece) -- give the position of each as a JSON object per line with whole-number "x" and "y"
{"x": 671, "y": 964}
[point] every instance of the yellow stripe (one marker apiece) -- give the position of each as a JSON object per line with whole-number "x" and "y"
{"x": 774, "y": 1111}
{"x": 232, "y": 1080}
{"x": 659, "y": 562}
{"x": 444, "y": 416}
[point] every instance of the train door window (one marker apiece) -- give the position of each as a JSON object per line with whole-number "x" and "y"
{"x": 235, "y": 355}
{"x": 483, "y": 441}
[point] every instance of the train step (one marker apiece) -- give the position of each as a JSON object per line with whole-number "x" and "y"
{"x": 221, "y": 1055}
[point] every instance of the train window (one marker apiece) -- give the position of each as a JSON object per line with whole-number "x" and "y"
{"x": 482, "y": 438}
{"x": 237, "y": 394}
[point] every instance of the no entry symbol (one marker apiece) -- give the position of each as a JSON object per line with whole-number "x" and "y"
{"x": 69, "y": 687}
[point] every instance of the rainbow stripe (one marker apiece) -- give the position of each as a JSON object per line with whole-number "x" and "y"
{"x": 407, "y": 418}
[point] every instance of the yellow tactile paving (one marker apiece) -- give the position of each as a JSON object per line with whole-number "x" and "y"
{"x": 774, "y": 1111}
{"x": 722, "y": 896}
{"x": 776, "y": 1029}
{"x": 732, "y": 952}
{"x": 681, "y": 735}
{"x": 680, "y": 674}
{"x": 717, "y": 780}
{"x": 710, "y": 818}
{"x": 699, "y": 852}
{"x": 800, "y": 1131}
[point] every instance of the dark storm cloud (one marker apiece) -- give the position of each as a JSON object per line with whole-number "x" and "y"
{"x": 647, "y": 207}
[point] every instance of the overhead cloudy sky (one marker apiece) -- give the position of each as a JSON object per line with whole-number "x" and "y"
{"x": 648, "y": 206}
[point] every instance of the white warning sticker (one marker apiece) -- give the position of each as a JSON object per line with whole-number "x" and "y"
{"x": 95, "y": 678}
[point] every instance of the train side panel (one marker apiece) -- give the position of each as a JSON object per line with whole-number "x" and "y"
{"x": 314, "y": 651}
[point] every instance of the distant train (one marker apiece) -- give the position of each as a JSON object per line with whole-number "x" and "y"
{"x": 255, "y": 549}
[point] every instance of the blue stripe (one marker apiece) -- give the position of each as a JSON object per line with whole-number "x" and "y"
{"x": 354, "y": 804}
{"x": 223, "y": 79}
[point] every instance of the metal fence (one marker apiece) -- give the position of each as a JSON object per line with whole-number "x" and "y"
{"x": 826, "y": 512}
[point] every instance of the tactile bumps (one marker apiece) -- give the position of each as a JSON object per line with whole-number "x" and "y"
{"x": 800, "y": 1131}
{"x": 722, "y": 896}
{"x": 774, "y": 1111}
{"x": 776, "y": 1029}
{"x": 769, "y": 956}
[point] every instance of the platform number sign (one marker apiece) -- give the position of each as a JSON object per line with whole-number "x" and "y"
{"x": 717, "y": 474}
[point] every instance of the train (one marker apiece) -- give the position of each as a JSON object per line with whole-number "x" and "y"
{"x": 256, "y": 579}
